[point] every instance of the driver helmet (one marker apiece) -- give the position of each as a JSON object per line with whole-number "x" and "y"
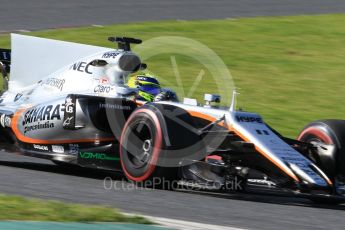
{"x": 147, "y": 85}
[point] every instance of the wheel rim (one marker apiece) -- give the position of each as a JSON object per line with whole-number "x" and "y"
{"x": 140, "y": 154}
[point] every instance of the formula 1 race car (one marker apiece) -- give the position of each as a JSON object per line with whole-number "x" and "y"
{"x": 69, "y": 103}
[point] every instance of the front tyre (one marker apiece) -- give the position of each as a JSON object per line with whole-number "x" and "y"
{"x": 330, "y": 157}
{"x": 141, "y": 147}
{"x": 330, "y": 133}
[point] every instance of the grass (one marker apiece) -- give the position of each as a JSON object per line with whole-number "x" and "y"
{"x": 19, "y": 208}
{"x": 291, "y": 69}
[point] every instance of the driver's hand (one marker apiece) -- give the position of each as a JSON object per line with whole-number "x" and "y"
{"x": 166, "y": 95}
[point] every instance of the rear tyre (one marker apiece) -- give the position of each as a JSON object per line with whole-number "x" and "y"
{"x": 141, "y": 148}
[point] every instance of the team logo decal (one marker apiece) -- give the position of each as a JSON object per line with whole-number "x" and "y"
{"x": 41, "y": 117}
{"x": 69, "y": 105}
{"x": 69, "y": 117}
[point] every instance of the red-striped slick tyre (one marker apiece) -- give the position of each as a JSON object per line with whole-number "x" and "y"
{"x": 328, "y": 132}
{"x": 141, "y": 146}
{"x": 332, "y": 133}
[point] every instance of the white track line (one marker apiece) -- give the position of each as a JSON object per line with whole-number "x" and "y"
{"x": 184, "y": 225}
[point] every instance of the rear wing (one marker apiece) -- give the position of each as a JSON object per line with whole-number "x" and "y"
{"x": 5, "y": 61}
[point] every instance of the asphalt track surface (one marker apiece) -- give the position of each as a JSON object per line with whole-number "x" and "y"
{"x": 39, "y": 178}
{"x": 42, "y": 14}
{"x": 42, "y": 179}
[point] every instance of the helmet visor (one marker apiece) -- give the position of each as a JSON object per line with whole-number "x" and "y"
{"x": 151, "y": 89}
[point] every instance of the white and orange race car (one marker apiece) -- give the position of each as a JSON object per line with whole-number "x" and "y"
{"x": 69, "y": 103}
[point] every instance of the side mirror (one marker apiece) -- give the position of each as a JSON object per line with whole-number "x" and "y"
{"x": 211, "y": 98}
